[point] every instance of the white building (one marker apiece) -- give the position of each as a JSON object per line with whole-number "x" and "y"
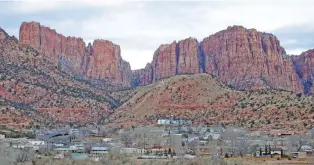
{"x": 2, "y": 136}
{"x": 36, "y": 142}
{"x": 107, "y": 139}
{"x": 77, "y": 146}
{"x": 99, "y": 150}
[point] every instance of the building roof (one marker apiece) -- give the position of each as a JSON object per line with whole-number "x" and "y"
{"x": 55, "y": 134}
{"x": 99, "y": 149}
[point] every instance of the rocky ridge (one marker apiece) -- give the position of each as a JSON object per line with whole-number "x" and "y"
{"x": 242, "y": 58}
{"x": 100, "y": 60}
{"x": 34, "y": 92}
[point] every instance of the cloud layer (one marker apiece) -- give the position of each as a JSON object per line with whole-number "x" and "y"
{"x": 139, "y": 27}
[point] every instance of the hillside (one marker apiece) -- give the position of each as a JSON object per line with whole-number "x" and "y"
{"x": 47, "y": 79}
{"x": 34, "y": 92}
{"x": 205, "y": 100}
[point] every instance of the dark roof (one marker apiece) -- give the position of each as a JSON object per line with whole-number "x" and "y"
{"x": 55, "y": 134}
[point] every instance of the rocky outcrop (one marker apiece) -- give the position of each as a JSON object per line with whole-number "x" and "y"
{"x": 248, "y": 59}
{"x": 187, "y": 55}
{"x": 102, "y": 60}
{"x": 142, "y": 76}
{"x": 165, "y": 61}
{"x": 3, "y": 35}
{"x": 242, "y": 58}
{"x": 176, "y": 58}
{"x": 105, "y": 62}
{"x": 304, "y": 65}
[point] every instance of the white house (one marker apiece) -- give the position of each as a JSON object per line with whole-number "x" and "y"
{"x": 106, "y": 139}
{"x": 36, "y": 142}
{"x": 77, "y": 146}
{"x": 99, "y": 150}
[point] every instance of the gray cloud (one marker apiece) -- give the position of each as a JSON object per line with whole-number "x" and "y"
{"x": 139, "y": 27}
{"x": 296, "y": 37}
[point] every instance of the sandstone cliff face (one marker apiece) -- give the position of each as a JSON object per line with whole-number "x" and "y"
{"x": 165, "y": 61}
{"x": 102, "y": 60}
{"x": 187, "y": 55}
{"x": 248, "y": 59}
{"x": 243, "y": 58}
{"x": 105, "y": 62}
{"x": 143, "y": 76}
{"x": 304, "y": 65}
{"x": 176, "y": 58}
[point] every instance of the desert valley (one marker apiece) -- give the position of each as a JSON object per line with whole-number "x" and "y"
{"x": 237, "y": 77}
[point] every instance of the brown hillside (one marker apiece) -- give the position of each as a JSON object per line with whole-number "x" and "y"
{"x": 34, "y": 92}
{"x": 204, "y": 100}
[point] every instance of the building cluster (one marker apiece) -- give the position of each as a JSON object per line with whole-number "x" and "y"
{"x": 163, "y": 142}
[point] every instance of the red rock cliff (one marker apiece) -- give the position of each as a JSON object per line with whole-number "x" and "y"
{"x": 143, "y": 76}
{"x": 304, "y": 65}
{"x": 248, "y": 59}
{"x": 102, "y": 60}
{"x": 243, "y": 58}
{"x": 105, "y": 62}
{"x": 165, "y": 61}
{"x": 176, "y": 58}
{"x": 187, "y": 55}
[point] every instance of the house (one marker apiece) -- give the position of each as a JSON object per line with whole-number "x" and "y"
{"x": 163, "y": 121}
{"x": 172, "y": 121}
{"x": 77, "y": 147}
{"x": 107, "y": 139}
{"x": 2, "y": 136}
{"x": 55, "y": 137}
{"x": 99, "y": 150}
{"x": 36, "y": 142}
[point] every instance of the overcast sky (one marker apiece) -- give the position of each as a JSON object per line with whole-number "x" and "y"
{"x": 139, "y": 27}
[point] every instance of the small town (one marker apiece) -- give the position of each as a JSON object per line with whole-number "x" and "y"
{"x": 167, "y": 140}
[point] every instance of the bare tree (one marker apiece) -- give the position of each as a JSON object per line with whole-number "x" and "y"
{"x": 126, "y": 139}
{"x": 23, "y": 155}
{"x": 235, "y": 141}
{"x": 297, "y": 142}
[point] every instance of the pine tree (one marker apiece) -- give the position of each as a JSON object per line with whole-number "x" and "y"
{"x": 266, "y": 150}
{"x": 269, "y": 149}
{"x": 169, "y": 151}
